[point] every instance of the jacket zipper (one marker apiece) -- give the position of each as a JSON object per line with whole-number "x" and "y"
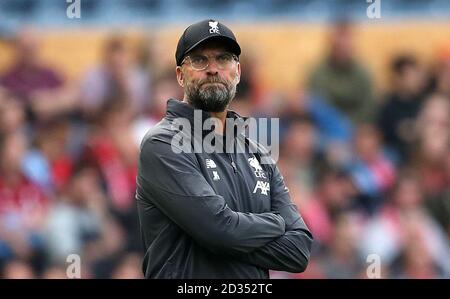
{"x": 232, "y": 163}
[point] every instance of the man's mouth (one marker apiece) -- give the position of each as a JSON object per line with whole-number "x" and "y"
{"x": 213, "y": 83}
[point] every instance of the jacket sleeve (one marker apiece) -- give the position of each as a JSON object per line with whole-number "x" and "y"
{"x": 291, "y": 251}
{"x": 176, "y": 186}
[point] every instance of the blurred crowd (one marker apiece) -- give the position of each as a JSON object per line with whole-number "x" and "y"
{"x": 368, "y": 169}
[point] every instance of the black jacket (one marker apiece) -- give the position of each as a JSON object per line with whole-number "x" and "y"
{"x": 214, "y": 215}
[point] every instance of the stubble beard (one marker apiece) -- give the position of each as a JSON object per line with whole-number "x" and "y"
{"x": 210, "y": 97}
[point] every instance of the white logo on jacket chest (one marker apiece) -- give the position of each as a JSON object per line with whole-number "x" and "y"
{"x": 263, "y": 186}
{"x": 257, "y": 169}
{"x": 210, "y": 163}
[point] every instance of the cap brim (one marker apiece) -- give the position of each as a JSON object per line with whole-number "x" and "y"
{"x": 235, "y": 48}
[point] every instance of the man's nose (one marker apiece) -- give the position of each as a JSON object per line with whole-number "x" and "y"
{"x": 212, "y": 67}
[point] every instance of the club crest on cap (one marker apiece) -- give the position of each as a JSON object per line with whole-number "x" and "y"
{"x": 199, "y": 32}
{"x": 214, "y": 27}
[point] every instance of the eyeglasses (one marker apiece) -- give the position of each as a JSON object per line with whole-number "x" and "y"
{"x": 201, "y": 62}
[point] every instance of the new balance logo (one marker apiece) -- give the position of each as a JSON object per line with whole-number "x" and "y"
{"x": 216, "y": 176}
{"x": 210, "y": 163}
{"x": 263, "y": 186}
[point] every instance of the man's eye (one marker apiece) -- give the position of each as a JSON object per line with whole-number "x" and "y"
{"x": 198, "y": 59}
{"x": 224, "y": 58}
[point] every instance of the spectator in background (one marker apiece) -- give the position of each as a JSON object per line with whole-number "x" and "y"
{"x": 333, "y": 130}
{"x": 341, "y": 80}
{"x": 111, "y": 148}
{"x": 416, "y": 259}
{"x": 340, "y": 259}
{"x": 23, "y": 205}
{"x": 164, "y": 88}
{"x": 372, "y": 173}
{"x": 116, "y": 78}
{"x": 439, "y": 204}
{"x": 332, "y": 126}
{"x": 433, "y": 142}
{"x": 12, "y": 114}
{"x": 333, "y": 196}
{"x": 54, "y": 272}
{"x": 440, "y": 82}
{"x": 385, "y": 234}
{"x": 251, "y": 96}
{"x": 17, "y": 269}
{"x": 128, "y": 267}
{"x": 36, "y": 85}
{"x": 397, "y": 114}
{"x": 82, "y": 223}
{"x": 77, "y": 217}
{"x": 145, "y": 58}
{"x": 300, "y": 156}
{"x": 28, "y": 73}
{"x": 48, "y": 162}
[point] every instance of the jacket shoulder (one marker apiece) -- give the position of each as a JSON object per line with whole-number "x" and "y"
{"x": 169, "y": 132}
{"x": 162, "y": 131}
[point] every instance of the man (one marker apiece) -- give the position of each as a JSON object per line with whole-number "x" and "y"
{"x": 37, "y": 86}
{"x": 396, "y": 116}
{"x": 29, "y": 74}
{"x": 114, "y": 79}
{"x": 219, "y": 214}
{"x": 341, "y": 80}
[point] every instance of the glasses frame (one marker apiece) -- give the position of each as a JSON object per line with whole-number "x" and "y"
{"x": 208, "y": 61}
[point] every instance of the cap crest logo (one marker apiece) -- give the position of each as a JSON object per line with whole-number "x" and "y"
{"x": 214, "y": 27}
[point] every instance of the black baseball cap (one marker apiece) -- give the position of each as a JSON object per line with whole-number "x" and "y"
{"x": 199, "y": 32}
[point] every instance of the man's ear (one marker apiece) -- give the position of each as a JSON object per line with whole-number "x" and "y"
{"x": 180, "y": 76}
{"x": 238, "y": 73}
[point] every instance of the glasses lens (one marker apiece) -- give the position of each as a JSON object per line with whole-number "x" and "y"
{"x": 224, "y": 60}
{"x": 199, "y": 62}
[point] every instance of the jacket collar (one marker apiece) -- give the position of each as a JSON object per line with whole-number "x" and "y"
{"x": 179, "y": 109}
